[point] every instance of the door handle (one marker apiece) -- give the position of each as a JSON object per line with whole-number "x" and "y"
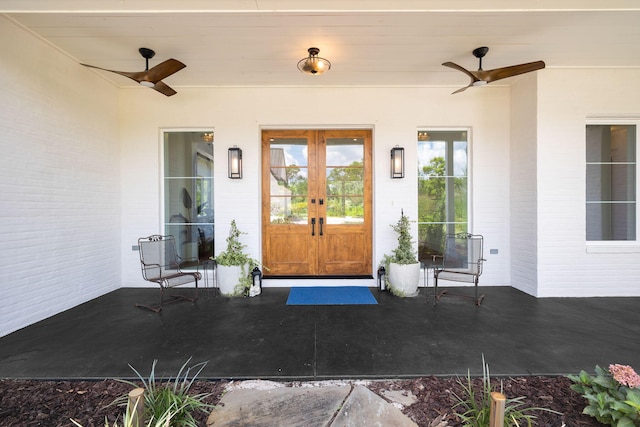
{"x": 321, "y": 222}
{"x": 313, "y": 226}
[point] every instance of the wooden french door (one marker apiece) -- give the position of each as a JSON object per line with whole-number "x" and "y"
{"x": 316, "y": 202}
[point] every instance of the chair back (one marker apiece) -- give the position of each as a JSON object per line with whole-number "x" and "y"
{"x": 158, "y": 256}
{"x": 463, "y": 253}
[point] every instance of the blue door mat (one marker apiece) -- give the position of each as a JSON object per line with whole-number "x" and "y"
{"x": 330, "y": 295}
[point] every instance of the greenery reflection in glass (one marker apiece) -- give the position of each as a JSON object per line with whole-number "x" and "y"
{"x": 442, "y": 190}
{"x": 345, "y": 189}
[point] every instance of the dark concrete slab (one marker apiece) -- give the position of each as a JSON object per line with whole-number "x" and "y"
{"x": 262, "y": 337}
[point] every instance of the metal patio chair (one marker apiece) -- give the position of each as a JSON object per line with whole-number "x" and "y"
{"x": 161, "y": 264}
{"x": 462, "y": 262}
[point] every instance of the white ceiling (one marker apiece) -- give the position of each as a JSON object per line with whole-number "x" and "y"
{"x": 375, "y": 42}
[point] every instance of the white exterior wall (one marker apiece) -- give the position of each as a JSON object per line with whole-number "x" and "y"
{"x": 59, "y": 182}
{"x": 238, "y": 115}
{"x": 80, "y": 171}
{"x": 567, "y": 265}
{"x": 523, "y": 191}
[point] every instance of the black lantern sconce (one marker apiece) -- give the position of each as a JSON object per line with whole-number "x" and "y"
{"x": 397, "y": 162}
{"x": 235, "y": 163}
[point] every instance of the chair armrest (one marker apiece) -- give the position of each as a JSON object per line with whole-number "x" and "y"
{"x": 146, "y": 266}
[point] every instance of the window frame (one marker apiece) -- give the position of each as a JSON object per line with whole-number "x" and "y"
{"x": 163, "y": 178}
{"x": 613, "y": 246}
{"x": 468, "y": 176}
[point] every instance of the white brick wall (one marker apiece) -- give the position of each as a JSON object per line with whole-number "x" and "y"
{"x": 59, "y": 182}
{"x": 80, "y": 171}
{"x": 237, "y": 115}
{"x": 568, "y": 266}
{"x": 523, "y": 192}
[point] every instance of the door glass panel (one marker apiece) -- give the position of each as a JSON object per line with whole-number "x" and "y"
{"x": 289, "y": 167}
{"x": 345, "y": 180}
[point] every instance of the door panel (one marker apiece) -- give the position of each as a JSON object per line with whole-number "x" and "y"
{"x": 345, "y": 183}
{"x": 288, "y": 247}
{"x": 316, "y": 212}
{"x": 341, "y": 253}
{"x": 291, "y": 253}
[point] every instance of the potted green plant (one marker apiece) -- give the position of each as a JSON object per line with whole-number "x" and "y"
{"x": 234, "y": 266}
{"x": 402, "y": 267}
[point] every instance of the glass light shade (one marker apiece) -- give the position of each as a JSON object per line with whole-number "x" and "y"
{"x": 314, "y": 64}
{"x": 235, "y": 163}
{"x": 397, "y": 162}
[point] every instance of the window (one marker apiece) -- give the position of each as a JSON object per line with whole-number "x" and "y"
{"x": 611, "y": 182}
{"x": 442, "y": 188}
{"x": 188, "y": 192}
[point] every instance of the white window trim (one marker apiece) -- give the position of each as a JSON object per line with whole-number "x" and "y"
{"x": 618, "y": 246}
{"x": 469, "y": 131}
{"x": 161, "y": 133}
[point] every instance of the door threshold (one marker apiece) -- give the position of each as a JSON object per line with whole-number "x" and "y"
{"x": 289, "y": 281}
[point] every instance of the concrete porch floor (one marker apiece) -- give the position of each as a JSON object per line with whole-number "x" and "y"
{"x": 263, "y": 338}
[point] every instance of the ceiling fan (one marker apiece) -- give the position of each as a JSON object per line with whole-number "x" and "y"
{"x": 151, "y": 77}
{"x": 482, "y": 77}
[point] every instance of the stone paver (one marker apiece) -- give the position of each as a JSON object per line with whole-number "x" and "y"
{"x": 270, "y": 405}
{"x": 364, "y": 408}
{"x": 278, "y": 407}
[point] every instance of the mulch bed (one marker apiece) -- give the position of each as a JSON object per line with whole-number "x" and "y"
{"x": 54, "y": 403}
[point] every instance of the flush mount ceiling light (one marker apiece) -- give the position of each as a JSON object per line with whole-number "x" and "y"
{"x": 314, "y": 64}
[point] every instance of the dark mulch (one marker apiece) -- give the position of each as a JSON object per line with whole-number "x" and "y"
{"x": 436, "y": 398}
{"x": 54, "y": 403}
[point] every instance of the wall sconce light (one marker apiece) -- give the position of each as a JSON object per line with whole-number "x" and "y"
{"x": 235, "y": 163}
{"x": 313, "y": 64}
{"x": 397, "y": 162}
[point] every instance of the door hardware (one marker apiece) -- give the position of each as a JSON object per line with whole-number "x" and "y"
{"x": 321, "y": 222}
{"x": 313, "y": 226}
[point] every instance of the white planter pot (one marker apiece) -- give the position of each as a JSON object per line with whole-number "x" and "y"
{"x": 228, "y": 278}
{"x": 404, "y": 279}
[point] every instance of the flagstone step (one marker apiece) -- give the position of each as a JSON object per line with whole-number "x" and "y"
{"x": 267, "y": 404}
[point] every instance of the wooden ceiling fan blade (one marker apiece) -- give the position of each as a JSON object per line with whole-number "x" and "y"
{"x": 515, "y": 70}
{"x": 460, "y": 68}
{"x": 151, "y": 78}
{"x": 132, "y": 76}
{"x": 163, "y": 70}
{"x": 164, "y": 89}
{"x": 471, "y": 74}
{"x": 461, "y": 90}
